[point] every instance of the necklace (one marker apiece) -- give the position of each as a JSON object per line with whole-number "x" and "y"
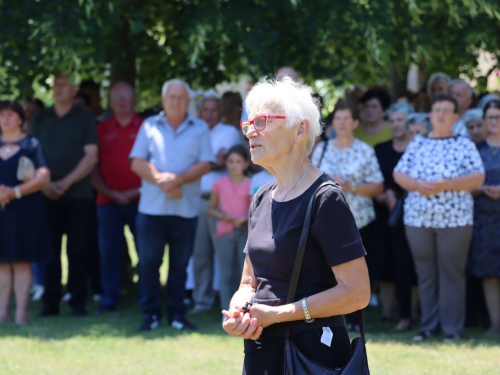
{"x": 296, "y": 182}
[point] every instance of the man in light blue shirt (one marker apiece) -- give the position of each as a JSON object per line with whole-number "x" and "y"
{"x": 171, "y": 153}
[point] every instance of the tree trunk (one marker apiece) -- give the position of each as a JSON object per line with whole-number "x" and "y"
{"x": 123, "y": 67}
{"x": 398, "y": 76}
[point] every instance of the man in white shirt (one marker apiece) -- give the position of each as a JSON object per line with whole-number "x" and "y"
{"x": 462, "y": 93}
{"x": 222, "y": 138}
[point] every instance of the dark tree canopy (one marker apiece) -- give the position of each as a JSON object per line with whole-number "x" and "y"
{"x": 207, "y": 41}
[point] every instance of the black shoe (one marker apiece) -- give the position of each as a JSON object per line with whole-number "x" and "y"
{"x": 79, "y": 311}
{"x": 182, "y": 325}
{"x": 48, "y": 310}
{"x": 150, "y": 322}
{"x": 105, "y": 308}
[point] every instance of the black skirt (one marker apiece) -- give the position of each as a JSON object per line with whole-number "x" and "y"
{"x": 24, "y": 231}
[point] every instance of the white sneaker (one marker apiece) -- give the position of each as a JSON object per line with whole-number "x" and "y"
{"x": 96, "y": 297}
{"x": 37, "y": 291}
{"x": 373, "y": 300}
{"x": 66, "y": 297}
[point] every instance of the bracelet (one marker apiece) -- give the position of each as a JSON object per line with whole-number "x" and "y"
{"x": 246, "y": 308}
{"x": 306, "y": 311}
{"x": 17, "y": 192}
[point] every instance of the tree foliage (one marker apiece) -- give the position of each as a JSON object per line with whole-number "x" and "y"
{"x": 207, "y": 41}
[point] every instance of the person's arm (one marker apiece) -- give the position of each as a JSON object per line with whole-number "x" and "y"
{"x": 237, "y": 323}
{"x": 468, "y": 182}
{"x": 82, "y": 169}
{"x": 101, "y": 187}
{"x": 352, "y": 293}
{"x": 406, "y": 182}
{"x": 41, "y": 179}
{"x": 369, "y": 190}
{"x": 214, "y": 212}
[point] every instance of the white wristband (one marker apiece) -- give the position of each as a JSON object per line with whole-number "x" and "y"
{"x": 17, "y": 192}
{"x": 306, "y": 311}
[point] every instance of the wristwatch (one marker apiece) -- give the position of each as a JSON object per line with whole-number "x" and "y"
{"x": 306, "y": 311}
{"x": 17, "y": 192}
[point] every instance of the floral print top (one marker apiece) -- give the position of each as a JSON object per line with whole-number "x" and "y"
{"x": 356, "y": 164}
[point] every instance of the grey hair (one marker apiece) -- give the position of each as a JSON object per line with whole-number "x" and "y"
{"x": 419, "y": 118}
{"x": 403, "y": 107}
{"x": 481, "y": 104}
{"x": 461, "y": 82}
{"x": 289, "y": 97}
{"x": 211, "y": 97}
{"x": 178, "y": 81}
{"x": 472, "y": 115}
{"x": 435, "y": 76}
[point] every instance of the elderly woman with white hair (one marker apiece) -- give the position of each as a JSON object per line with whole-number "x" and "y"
{"x": 476, "y": 128}
{"x": 418, "y": 123}
{"x": 395, "y": 269}
{"x": 334, "y": 278}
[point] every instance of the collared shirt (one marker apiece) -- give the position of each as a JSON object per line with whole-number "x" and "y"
{"x": 63, "y": 139}
{"x": 172, "y": 151}
{"x": 221, "y": 136}
{"x": 115, "y": 144}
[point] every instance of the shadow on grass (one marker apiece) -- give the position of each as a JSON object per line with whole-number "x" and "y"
{"x": 125, "y": 322}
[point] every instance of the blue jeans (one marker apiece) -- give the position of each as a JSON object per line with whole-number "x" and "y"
{"x": 153, "y": 233}
{"x": 111, "y": 220}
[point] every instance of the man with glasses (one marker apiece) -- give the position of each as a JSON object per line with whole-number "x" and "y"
{"x": 118, "y": 189}
{"x": 462, "y": 93}
{"x": 171, "y": 153}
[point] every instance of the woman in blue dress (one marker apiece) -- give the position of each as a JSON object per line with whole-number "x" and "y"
{"x": 484, "y": 256}
{"x": 24, "y": 234}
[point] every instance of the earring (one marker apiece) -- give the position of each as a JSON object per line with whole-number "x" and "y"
{"x": 295, "y": 141}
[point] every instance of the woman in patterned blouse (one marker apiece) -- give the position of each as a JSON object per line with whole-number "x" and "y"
{"x": 438, "y": 171}
{"x": 353, "y": 164}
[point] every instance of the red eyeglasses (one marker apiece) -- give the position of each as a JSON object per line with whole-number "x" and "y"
{"x": 259, "y": 123}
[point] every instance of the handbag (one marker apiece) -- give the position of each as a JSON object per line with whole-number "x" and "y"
{"x": 25, "y": 169}
{"x": 395, "y": 219}
{"x": 296, "y": 363}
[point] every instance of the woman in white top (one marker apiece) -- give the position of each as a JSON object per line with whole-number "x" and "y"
{"x": 353, "y": 164}
{"x": 438, "y": 171}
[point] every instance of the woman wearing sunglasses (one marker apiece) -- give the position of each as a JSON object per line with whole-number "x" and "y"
{"x": 334, "y": 278}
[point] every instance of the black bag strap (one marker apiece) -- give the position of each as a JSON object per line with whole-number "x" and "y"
{"x": 294, "y": 281}
{"x": 325, "y": 145}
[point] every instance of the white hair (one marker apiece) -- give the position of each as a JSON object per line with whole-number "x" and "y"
{"x": 434, "y": 77}
{"x": 462, "y": 82}
{"x": 419, "y": 118}
{"x": 177, "y": 81}
{"x": 472, "y": 115}
{"x": 289, "y": 97}
{"x": 481, "y": 104}
{"x": 402, "y": 107}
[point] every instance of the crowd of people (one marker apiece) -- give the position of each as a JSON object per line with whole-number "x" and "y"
{"x": 420, "y": 175}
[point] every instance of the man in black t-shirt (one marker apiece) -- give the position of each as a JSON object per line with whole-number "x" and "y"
{"x": 69, "y": 137}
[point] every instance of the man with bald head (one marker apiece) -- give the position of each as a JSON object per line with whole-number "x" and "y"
{"x": 118, "y": 188}
{"x": 171, "y": 154}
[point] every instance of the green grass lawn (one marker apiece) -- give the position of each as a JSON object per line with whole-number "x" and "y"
{"x": 110, "y": 344}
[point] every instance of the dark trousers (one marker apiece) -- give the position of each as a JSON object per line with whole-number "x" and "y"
{"x": 403, "y": 272}
{"x": 153, "y": 233}
{"x": 111, "y": 220}
{"x": 72, "y": 216}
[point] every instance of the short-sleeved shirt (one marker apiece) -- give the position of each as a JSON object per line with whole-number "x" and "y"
{"x": 233, "y": 200}
{"x": 63, "y": 139}
{"x": 357, "y": 164}
{"x": 273, "y": 238}
{"x": 260, "y": 179}
{"x": 172, "y": 151}
{"x": 115, "y": 144}
{"x": 433, "y": 159}
{"x": 372, "y": 139}
{"x": 221, "y": 136}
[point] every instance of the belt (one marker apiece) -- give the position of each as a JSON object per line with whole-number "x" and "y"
{"x": 205, "y": 196}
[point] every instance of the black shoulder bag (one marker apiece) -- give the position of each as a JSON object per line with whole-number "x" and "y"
{"x": 296, "y": 363}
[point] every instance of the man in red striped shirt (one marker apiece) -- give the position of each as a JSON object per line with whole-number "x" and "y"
{"x": 118, "y": 188}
